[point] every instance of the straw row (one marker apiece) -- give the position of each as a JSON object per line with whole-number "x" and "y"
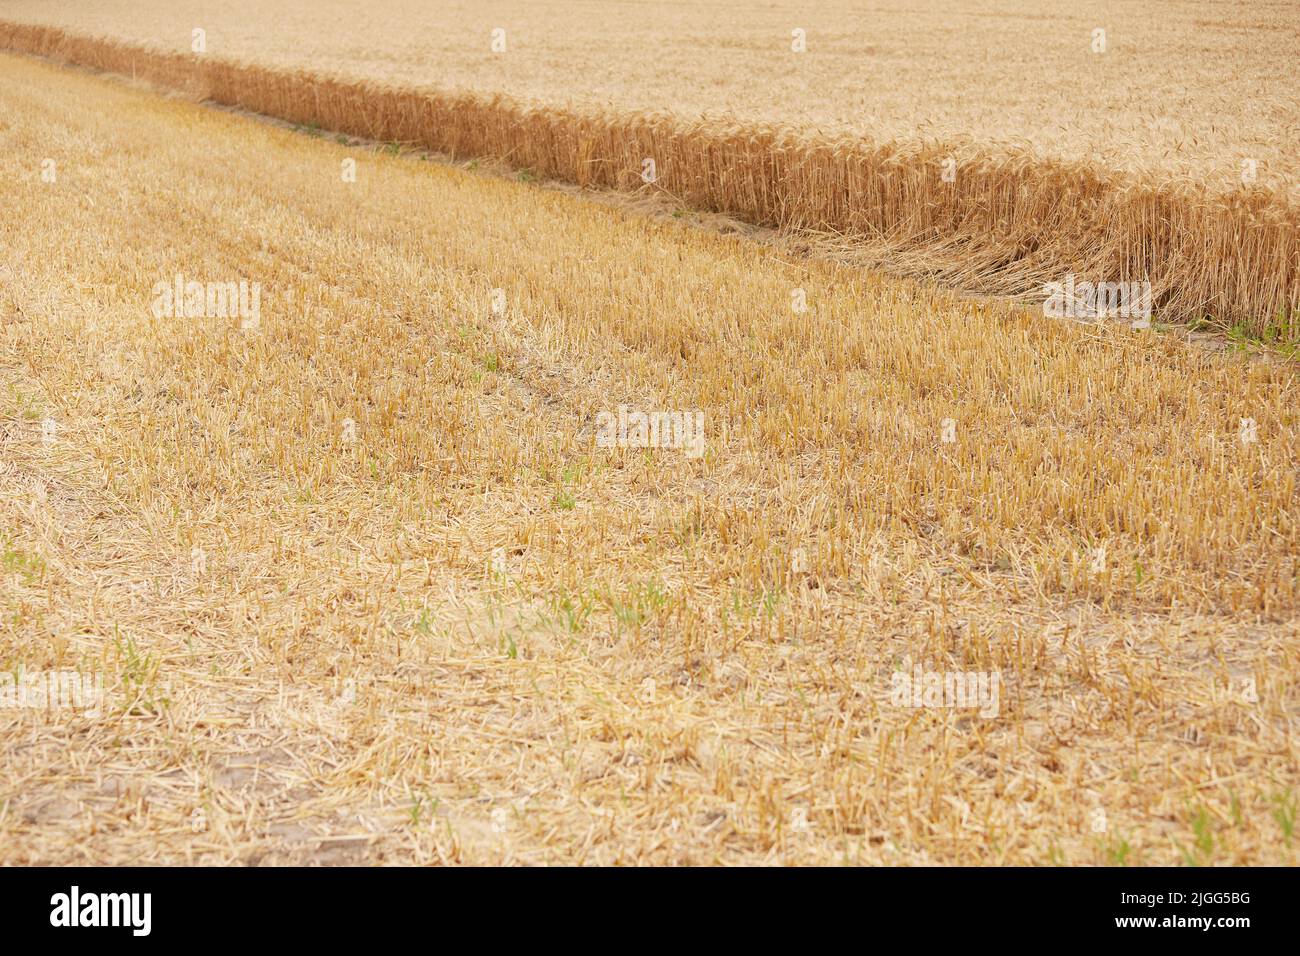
{"x": 1009, "y": 221}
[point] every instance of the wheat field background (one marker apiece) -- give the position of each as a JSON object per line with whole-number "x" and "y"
{"x": 1184, "y": 89}
{"x": 364, "y": 588}
{"x": 995, "y": 148}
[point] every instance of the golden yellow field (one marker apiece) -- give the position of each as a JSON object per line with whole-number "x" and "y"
{"x": 364, "y": 584}
{"x": 1184, "y": 88}
{"x": 994, "y": 147}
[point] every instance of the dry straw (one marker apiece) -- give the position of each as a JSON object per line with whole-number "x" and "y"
{"x": 1010, "y": 221}
{"x": 466, "y": 633}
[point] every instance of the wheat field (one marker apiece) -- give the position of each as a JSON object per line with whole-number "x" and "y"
{"x": 365, "y": 585}
{"x": 990, "y": 147}
{"x": 1184, "y": 88}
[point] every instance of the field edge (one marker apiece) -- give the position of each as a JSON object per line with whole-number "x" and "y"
{"x": 1007, "y": 223}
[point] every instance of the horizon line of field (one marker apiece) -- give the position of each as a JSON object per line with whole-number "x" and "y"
{"x": 994, "y": 223}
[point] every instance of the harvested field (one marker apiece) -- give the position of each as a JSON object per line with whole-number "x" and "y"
{"x": 1126, "y": 165}
{"x": 365, "y": 585}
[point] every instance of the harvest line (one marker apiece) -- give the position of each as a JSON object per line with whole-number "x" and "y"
{"x": 1009, "y": 223}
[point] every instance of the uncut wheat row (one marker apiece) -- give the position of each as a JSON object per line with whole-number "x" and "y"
{"x": 1005, "y": 220}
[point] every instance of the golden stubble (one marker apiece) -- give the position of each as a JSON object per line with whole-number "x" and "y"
{"x": 462, "y": 632}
